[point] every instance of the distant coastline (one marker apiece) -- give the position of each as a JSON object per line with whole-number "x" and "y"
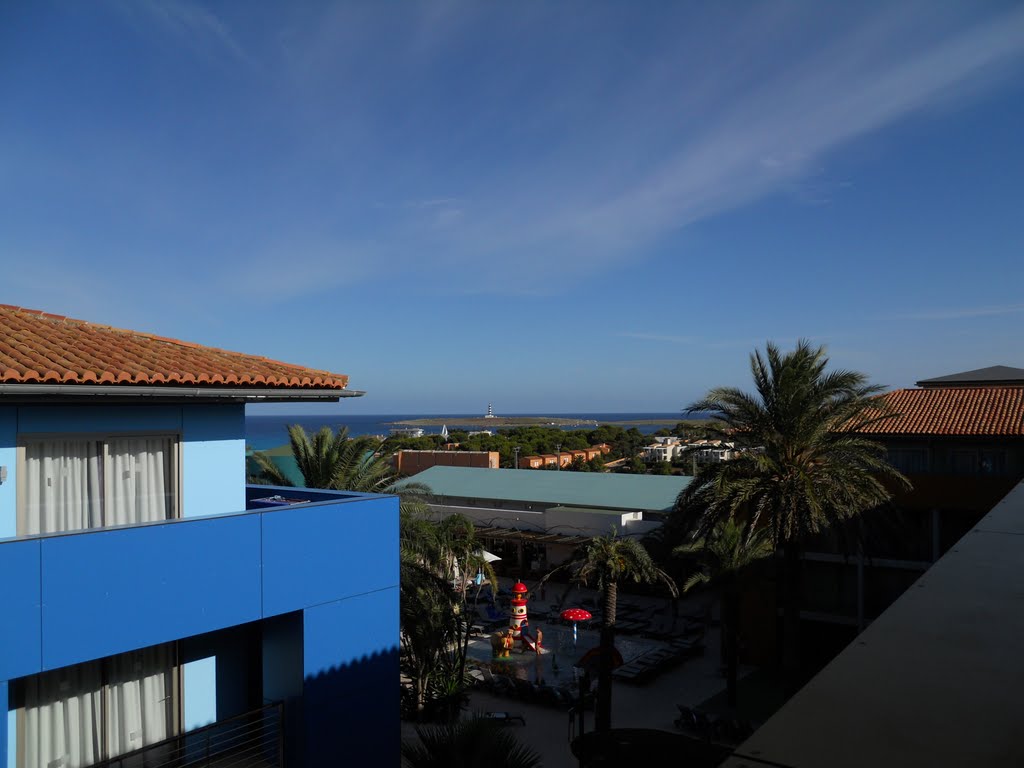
{"x": 268, "y": 431}
{"x": 531, "y": 421}
{"x": 497, "y": 421}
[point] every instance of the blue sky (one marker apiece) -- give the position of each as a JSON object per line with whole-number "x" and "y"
{"x": 550, "y": 206}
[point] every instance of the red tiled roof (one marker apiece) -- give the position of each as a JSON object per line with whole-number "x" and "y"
{"x": 40, "y": 348}
{"x": 954, "y": 411}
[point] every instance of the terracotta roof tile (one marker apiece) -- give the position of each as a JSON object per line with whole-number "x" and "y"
{"x": 42, "y": 348}
{"x": 954, "y": 411}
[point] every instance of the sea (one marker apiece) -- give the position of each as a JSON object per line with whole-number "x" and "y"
{"x": 265, "y": 432}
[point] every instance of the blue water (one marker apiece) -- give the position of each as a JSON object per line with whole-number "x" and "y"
{"x": 265, "y": 432}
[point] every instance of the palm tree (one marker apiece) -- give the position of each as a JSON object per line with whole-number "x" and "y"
{"x": 806, "y": 467}
{"x": 332, "y": 461}
{"x": 726, "y": 554}
{"x": 608, "y": 560}
{"x": 435, "y": 618}
{"x": 463, "y": 555}
{"x": 467, "y": 744}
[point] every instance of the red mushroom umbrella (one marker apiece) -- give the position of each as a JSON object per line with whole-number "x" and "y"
{"x": 574, "y": 615}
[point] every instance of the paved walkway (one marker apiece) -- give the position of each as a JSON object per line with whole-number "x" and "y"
{"x": 652, "y": 705}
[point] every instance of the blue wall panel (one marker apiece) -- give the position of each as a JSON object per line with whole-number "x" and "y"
{"x": 106, "y": 592}
{"x": 350, "y": 659}
{"x": 321, "y": 552}
{"x": 19, "y": 608}
{"x": 349, "y": 631}
{"x": 8, "y": 458}
{"x": 99, "y": 418}
{"x": 82, "y": 596}
{"x": 8, "y": 752}
{"x": 213, "y": 459}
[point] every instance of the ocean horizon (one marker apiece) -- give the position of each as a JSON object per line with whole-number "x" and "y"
{"x": 264, "y": 432}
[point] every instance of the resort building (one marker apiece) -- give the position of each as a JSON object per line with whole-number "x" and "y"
{"x": 411, "y": 462}
{"x": 663, "y": 450}
{"x": 157, "y": 609}
{"x": 700, "y": 451}
{"x": 536, "y": 519}
{"x": 564, "y": 458}
{"x": 931, "y": 681}
{"x": 962, "y": 448}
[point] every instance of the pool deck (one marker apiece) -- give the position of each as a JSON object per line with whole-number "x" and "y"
{"x": 647, "y": 705}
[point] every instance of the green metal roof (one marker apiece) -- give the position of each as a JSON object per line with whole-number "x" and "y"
{"x": 573, "y": 489}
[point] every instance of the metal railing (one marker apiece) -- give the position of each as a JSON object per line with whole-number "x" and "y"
{"x": 251, "y": 739}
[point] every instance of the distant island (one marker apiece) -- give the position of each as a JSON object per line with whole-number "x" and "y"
{"x": 531, "y": 421}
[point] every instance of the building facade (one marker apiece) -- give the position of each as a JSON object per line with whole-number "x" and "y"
{"x": 407, "y": 462}
{"x": 158, "y": 608}
{"x": 962, "y": 449}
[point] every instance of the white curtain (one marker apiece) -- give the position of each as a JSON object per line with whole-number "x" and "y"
{"x": 59, "y": 726}
{"x": 140, "y": 699}
{"x": 69, "y": 486}
{"x": 76, "y": 716}
{"x": 138, "y": 480}
{"x": 63, "y": 486}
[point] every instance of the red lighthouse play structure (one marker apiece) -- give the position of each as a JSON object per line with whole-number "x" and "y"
{"x": 518, "y": 604}
{"x": 518, "y": 621}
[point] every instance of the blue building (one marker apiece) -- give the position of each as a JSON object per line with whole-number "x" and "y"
{"x": 156, "y": 610}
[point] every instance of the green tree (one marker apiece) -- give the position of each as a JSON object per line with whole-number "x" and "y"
{"x": 472, "y": 743}
{"x": 636, "y": 466}
{"x": 726, "y": 555}
{"x": 607, "y": 561}
{"x": 807, "y": 467}
{"x": 579, "y": 464}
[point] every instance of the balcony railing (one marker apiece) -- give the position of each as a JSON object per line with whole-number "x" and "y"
{"x": 251, "y": 740}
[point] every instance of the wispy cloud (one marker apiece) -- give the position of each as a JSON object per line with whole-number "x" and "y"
{"x": 966, "y": 312}
{"x": 868, "y": 78}
{"x": 685, "y": 136}
{"x": 436, "y": 202}
{"x": 532, "y": 169}
{"x": 189, "y": 22}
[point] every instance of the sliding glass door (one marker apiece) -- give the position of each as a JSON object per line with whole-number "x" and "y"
{"x": 77, "y": 716}
{"x": 69, "y": 484}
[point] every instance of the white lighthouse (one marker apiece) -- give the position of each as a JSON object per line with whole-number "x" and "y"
{"x": 490, "y": 412}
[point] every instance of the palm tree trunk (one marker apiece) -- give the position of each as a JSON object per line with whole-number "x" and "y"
{"x": 791, "y": 618}
{"x": 603, "y": 713}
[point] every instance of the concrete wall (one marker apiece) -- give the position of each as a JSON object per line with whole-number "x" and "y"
{"x": 520, "y": 519}
{"x": 579, "y": 523}
{"x": 212, "y": 447}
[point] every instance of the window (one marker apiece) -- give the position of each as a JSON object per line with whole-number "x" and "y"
{"x": 978, "y": 462}
{"x": 74, "y": 483}
{"x": 992, "y": 462}
{"x": 909, "y": 459}
{"x": 77, "y": 716}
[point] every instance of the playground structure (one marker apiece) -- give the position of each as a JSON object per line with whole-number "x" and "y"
{"x": 503, "y": 642}
{"x": 519, "y": 614}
